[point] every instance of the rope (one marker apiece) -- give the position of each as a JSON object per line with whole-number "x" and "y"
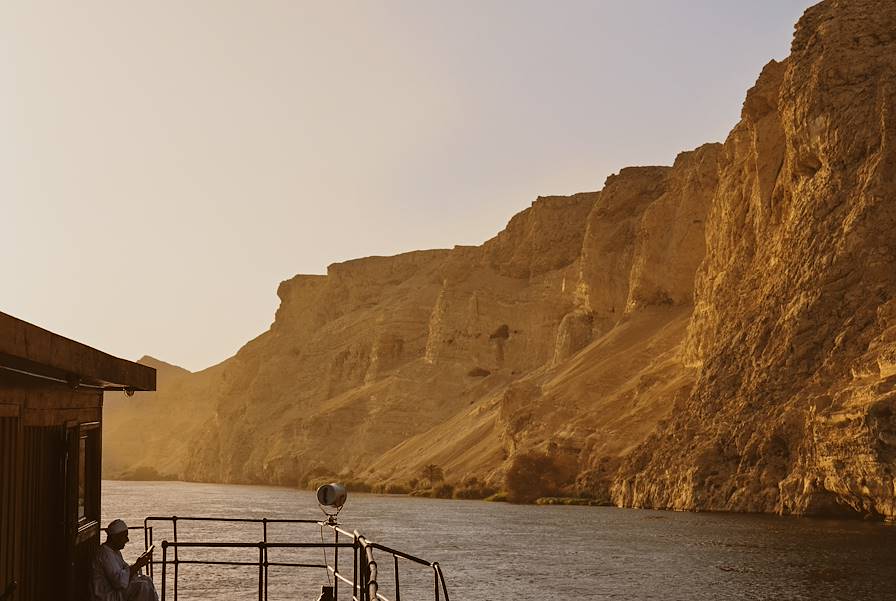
{"x": 324, "y": 549}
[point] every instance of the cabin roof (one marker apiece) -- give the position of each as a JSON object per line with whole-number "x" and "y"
{"x": 29, "y": 349}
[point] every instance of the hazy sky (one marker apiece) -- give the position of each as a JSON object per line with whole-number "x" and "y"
{"x": 165, "y": 164}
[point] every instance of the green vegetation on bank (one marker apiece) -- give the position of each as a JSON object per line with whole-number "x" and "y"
{"x": 570, "y": 501}
{"x": 436, "y": 488}
{"x": 146, "y": 474}
{"x": 534, "y": 477}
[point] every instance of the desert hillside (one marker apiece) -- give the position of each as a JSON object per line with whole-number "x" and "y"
{"x": 719, "y": 334}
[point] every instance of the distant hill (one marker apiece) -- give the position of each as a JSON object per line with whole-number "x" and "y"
{"x": 715, "y": 335}
{"x": 162, "y": 368}
{"x": 126, "y": 421}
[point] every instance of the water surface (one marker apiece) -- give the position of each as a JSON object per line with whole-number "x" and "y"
{"x": 494, "y": 551}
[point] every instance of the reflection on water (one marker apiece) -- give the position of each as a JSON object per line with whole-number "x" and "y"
{"x": 498, "y": 551}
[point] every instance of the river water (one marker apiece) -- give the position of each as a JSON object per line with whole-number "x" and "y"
{"x": 497, "y": 551}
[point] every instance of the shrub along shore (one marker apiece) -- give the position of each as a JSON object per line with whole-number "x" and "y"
{"x": 470, "y": 488}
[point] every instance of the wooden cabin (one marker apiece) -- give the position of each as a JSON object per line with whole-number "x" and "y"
{"x": 51, "y": 403}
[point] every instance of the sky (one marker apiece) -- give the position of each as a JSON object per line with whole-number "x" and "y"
{"x": 165, "y": 164}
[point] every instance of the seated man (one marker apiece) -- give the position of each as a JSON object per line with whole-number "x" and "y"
{"x": 115, "y": 580}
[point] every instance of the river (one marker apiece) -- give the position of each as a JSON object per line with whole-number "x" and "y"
{"x": 497, "y": 551}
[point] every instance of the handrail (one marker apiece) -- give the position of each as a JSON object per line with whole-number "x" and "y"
{"x": 364, "y": 584}
{"x": 439, "y": 577}
{"x": 245, "y": 520}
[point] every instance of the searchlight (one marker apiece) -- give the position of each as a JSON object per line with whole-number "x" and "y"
{"x": 331, "y": 497}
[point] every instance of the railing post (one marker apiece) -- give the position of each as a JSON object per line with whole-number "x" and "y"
{"x": 355, "y": 566}
{"x": 261, "y": 548}
{"x": 265, "y": 573}
{"x": 397, "y": 587}
{"x": 435, "y": 582}
{"x": 176, "y": 562}
{"x": 336, "y": 566}
{"x": 164, "y": 565}
{"x": 264, "y": 522}
{"x": 146, "y": 544}
{"x": 365, "y": 574}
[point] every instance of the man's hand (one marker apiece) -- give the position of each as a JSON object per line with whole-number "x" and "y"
{"x": 141, "y": 561}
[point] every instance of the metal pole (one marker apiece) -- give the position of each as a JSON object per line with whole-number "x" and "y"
{"x": 355, "y": 567}
{"x": 365, "y": 573}
{"x": 164, "y": 564}
{"x": 176, "y": 564}
{"x": 362, "y": 563}
{"x": 146, "y": 546}
{"x": 435, "y": 581}
{"x": 261, "y": 548}
{"x": 336, "y": 568}
{"x": 264, "y": 523}
{"x": 397, "y": 587}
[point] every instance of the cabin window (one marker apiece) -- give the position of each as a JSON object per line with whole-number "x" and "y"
{"x": 82, "y": 479}
{"x": 88, "y": 473}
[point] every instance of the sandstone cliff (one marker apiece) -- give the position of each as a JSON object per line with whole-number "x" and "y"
{"x": 718, "y": 334}
{"x": 792, "y": 334}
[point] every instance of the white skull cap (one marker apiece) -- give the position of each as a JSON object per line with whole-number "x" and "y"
{"x": 116, "y": 526}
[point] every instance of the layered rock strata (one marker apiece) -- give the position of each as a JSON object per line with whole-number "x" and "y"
{"x": 719, "y": 334}
{"x": 794, "y": 409}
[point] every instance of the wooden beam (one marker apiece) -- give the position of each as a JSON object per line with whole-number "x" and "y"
{"x": 57, "y": 417}
{"x": 26, "y": 347}
{"x": 50, "y": 404}
{"x": 9, "y": 409}
{"x": 52, "y": 397}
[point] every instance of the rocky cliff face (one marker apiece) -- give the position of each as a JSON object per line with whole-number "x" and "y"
{"x": 794, "y": 408}
{"x": 719, "y": 334}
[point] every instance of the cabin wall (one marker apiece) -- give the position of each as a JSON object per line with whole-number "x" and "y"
{"x": 10, "y": 497}
{"x": 51, "y": 399}
{"x": 49, "y": 518}
{"x": 44, "y": 539}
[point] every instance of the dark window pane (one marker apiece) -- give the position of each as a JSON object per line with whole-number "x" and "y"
{"x": 82, "y": 479}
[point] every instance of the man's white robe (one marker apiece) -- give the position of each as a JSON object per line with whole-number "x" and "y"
{"x": 112, "y": 579}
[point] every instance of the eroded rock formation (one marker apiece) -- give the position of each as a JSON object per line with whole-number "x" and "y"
{"x": 719, "y": 334}
{"x": 794, "y": 408}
